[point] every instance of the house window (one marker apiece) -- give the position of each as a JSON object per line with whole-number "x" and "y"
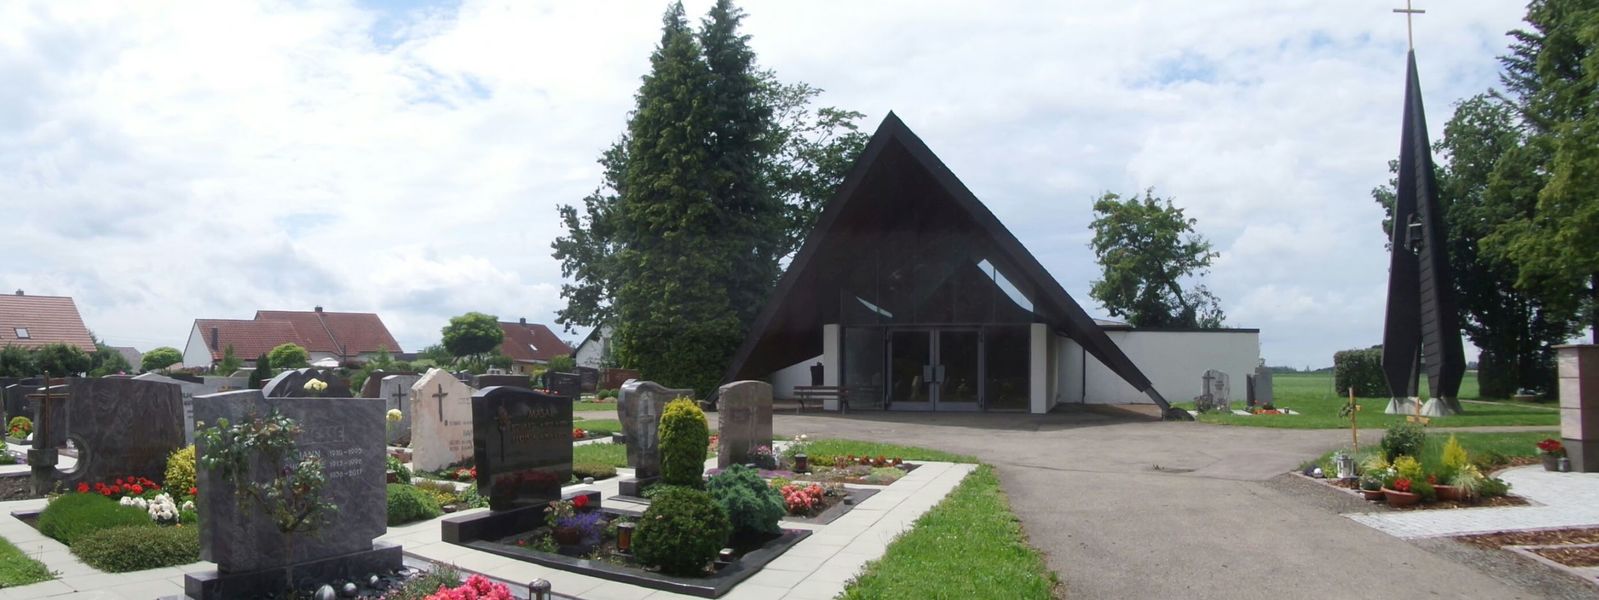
{"x": 22, "y": 333}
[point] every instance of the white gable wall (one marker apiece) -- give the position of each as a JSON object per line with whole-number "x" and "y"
{"x": 195, "y": 353}
{"x": 1174, "y": 361}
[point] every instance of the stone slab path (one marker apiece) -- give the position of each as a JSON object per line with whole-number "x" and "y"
{"x": 1560, "y": 500}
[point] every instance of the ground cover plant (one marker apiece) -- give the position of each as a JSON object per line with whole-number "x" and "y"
{"x": 968, "y": 546}
{"x": 72, "y": 516}
{"x": 597, "y": 427}
{"x": 1312, "y": 395}
{"x": 134, "y": 548}
{"x": 408, "y": 504}
{"x": 18, "y": 569}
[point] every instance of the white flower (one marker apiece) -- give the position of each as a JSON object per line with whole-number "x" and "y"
{"x": 315, "y": 385}
{"x": 395, "y": 415}
{"x": 188, "y": 505}
{"x": 162, "y": 509}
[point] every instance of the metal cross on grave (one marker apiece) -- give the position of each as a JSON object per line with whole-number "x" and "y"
{"x": 1410, "y": 13}
{"x": 399, "y": 399}
{"x": 440, "y": 395}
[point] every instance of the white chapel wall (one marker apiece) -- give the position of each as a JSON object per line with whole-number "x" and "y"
{"x": 1174, "y": 361}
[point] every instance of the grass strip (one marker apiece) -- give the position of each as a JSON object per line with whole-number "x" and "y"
{"x": 969, "y": 546}
{"x": 1312, "y": 395}
{"x": 822, "y": 451}
{"x": 604, "y": 453}
{"x": 18, "y": 569}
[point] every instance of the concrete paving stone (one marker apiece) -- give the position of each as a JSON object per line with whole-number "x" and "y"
{"x": 43, "y": 589}
{"x": 751, "y": 591}
{"x": 868, "y": 544}
{"x": 775, "y": 578}
{"x": 612, "y": 590}
{"x": 805, "y": 550}
{"x": 798, "y": 564}
{"x": 815, "y": 590}
{"x": 1566, "y": 499}
{"x": 146, "y": 590}
{"x": 482, "y": 562}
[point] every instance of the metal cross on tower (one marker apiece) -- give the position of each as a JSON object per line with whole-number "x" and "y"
{"x": 1410, "y": 13}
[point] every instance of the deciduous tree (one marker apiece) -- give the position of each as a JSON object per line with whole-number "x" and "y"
{"x": 160, "y": 358}
{"x": 289, "y": 356}
{"x": 1149, "y": 252}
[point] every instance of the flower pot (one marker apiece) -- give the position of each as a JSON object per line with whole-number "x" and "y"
{"x": 1372, "y": 495}
{"x": 1448, "y": 493}
{"x": 1398, "y": 499}
{"x": 1551, "y": 462}
{"x": 568, "y": 536}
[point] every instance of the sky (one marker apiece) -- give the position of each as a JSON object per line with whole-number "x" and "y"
{"x": 167, "y": 161}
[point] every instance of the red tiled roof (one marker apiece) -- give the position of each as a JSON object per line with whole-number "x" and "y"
{"x": 248, "y": 338}
{"x": 531, "y": 342}
{"x": 325, "y": 331}
{"x": 48, "y": 319}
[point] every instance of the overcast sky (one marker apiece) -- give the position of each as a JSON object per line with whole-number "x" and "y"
{"x": 162, "y": 162}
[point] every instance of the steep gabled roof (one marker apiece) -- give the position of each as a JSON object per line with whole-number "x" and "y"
{"x": 47, "y": 319}
{"x": 248, "y": 338}
{"x": 895, "y": 161}
{"x": 531, "y": 342}
{"x": 336, "y": 332}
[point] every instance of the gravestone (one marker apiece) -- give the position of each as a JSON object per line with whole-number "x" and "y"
{"x": 565, "y": 385}
{"x": 291, "y": 384}
{"x": 484, "y": 382}
{"x": 639, "y": 406}
{"x": 591, "y": 378}
{"x": 51, "y": 430}
{"x": 441, "y": 421}
{"x": 190, "y": 389}
{"x": 396, "y": 390}
{"x": 744, "y": 421}
{"x": 1260, "y": 385}
{"x": 121, "y": 427}
{"x": 1217, "y": 389}
{"x": 250, "y": 552}
{"x": 1577, "y": 368}
{"x": 522, "y": 448}
{"x": 16, "y": 398}
{"x": 614, "y": 378}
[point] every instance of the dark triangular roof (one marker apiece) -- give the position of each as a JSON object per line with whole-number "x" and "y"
{"x": 788, "y": 329}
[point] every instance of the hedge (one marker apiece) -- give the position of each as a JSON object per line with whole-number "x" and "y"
{"x": 1361, "y": 369}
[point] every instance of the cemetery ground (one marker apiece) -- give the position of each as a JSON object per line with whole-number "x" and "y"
{"x": 1312, "y": 395}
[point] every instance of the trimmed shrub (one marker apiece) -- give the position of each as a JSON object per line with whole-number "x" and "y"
{"x": 595, "y": 470}
{"x": 685, "y": 439}
{"x": 407, "y": 504}
{"x": 73, "y": 516}
{"x": 19, "y": 426}
{"x": 180, "y": 471}
{"x": 1361, "y": 369}
{"x": 681, "y": 532}
{"x": 123, "y": 549}
{"x": 1403, "y": 439}
{"x": 751, "y": 504}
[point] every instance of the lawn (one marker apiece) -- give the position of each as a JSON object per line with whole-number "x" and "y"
{"x": 17, "y": 568}
{"x": 1312, "y": 394}
{"x": 591, "y": 406}
{"x": 822, "y": 451}
{"x": 602, "y": 453}
{"x": 969, "y": 546}
{"x": 600, "y": 425}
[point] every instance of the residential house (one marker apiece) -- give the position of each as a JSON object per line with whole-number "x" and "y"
{"x": 595, "y": 350}
{"x": 530, "y": 345}
{"x": 329, "y": 337}
{"x": 33, "y": 321}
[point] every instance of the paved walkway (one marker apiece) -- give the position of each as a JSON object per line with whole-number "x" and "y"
{"x": 1560, "y": 500}
{"x": 1141, "y": 509}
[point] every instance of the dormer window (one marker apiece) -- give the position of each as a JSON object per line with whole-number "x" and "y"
{"x": 22, "y": 333}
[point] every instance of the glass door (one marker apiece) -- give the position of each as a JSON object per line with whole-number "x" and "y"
{"x": 910, "y": 371}
{"x": 958, "y": 369}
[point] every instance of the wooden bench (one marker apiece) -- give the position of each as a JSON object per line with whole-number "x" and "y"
{"x": 821, "y": 393}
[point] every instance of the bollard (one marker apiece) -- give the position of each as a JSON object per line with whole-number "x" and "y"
{"x": 539, "y": 589}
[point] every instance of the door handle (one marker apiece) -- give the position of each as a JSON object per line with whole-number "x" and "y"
{"x": 927, "y": 374}
{"x": 940, "y": 373}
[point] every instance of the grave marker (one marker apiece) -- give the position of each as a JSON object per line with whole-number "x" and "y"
{"x": 484, "y": 382}
{"x": 441, "y": 424}
{"x": 522, "y": 447}
{"x": 565, "y": 385}
{"x": 291, "y": 384}
{"x": 744, "y": 421}
{"x": 639, "y": 406}
{"x": 396, "y": 390}
{"x": 121, "y": 427}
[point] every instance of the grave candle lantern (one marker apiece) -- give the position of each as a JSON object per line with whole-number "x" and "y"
{"x": 624, "y": 537}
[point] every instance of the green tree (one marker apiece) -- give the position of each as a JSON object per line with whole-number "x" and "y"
{"x": 63, "y": 359}
{"x": 230, "y": 362}
{"x": 106, "y": 360}
{"x": 1552, "y": 78}
{"x": 262, "y": 371}
{"x": 17, "y": 361}
{"x": 160, "y": 358}
{"x": 473, "y": 334}
{"x": 289, "y": 356}
{"x": 1147, "y": 248}
{"x": 563, "y": 364}
{"x": 436, "y": 353}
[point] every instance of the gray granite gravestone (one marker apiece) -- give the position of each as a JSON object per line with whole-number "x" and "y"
{"x": 639, "y": 406}
{"x": 591, "y": 378}
{"x": 484, "y": 382}
{"x": 121, "y": 427}
{"x": 52, "y": 430}
{"x": 522, "y": 448}
{"x": 291, "y": 384}
{"x": 16, "y": 398}
{"x": 565, "y": 385}
{"x": 396, "y": 390}
{"x": 441, "y": 421}
{"x": 251, "y": 554}
{"x": 190, "y": 389}
{"x": 1217, "y": 389}
{"x": 1261, "y": 385}
{"x": 744, "y": 421}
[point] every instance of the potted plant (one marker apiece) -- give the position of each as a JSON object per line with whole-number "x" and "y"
{"x": 1467, "y": 482}
{"x": 1371, "y": 486}
{"x": 1400, "y": 494}
{"x": 570, "y": 524}
{"x": 1550, "y": 449}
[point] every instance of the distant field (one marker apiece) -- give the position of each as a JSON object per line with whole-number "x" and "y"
{"x": 1313, "y": 395}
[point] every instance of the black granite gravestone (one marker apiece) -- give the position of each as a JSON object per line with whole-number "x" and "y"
{"x": 591, "y": 378}
{"x": 484, "y": 382}
{"x": 250, "y": 552}
{"x": 121, "y": 427}
{"x": 565, "y": 385}
{"x": 291, "y": 384}
{"x": 639, "y": 406}
{"x": 522, "y": 447}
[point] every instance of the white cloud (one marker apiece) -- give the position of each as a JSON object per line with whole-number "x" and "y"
{"x": 162, "y": 162}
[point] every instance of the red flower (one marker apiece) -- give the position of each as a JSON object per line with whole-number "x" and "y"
{"x": 1402, "y": 485}
{"x": 1550, "y": 446}
{"x": 193, "y": 490}
{"x": 83, "y": 488}
{"x": 106, "y": 492}
{"x": 136, "y": 489}
{"x": 580, "y": 501}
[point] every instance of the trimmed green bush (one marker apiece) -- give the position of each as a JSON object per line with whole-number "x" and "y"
{"x": 751, "y": 504}
{"x": 19, "y": 426}
{"x": 72, "y": 516}
{"x": 180, "y": 471}
{"x": 595, "y": 470}
{"x": 1403, "y": 439}
{"x": 123, "y": 549}
{"x": 681, "y": 532}
{"x": 1361, "y": 369}
{"x": 408, "y": 504}
{"x": 684, "y": 440}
